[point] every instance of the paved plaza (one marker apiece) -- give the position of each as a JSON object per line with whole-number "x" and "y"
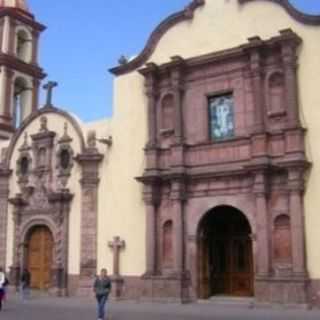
{"x": 45, "y": 308}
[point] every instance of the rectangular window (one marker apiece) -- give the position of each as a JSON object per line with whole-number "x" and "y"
{"x": 221, "y": 115}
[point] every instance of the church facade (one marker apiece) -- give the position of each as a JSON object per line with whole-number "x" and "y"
{"x": 212, "y": 188}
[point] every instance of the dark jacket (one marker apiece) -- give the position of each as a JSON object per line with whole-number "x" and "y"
{"x": 102, "y": 287}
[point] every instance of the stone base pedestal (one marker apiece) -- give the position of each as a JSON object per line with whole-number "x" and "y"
{"x": 282, "y": 290}
{"x": 174, "y": 288}
{"x": 117, "y": 287}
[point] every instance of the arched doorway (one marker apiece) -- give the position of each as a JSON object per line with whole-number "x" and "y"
{"x": 39, "y": 256}
{"x": 225, "y": 254}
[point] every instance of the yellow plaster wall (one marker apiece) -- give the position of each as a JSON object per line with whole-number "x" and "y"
{"x": 121, "y": 209}
{"x": 55, "y": 123}
{"x": 219, "y": 25}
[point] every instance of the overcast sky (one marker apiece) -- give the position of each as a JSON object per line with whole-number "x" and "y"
{"x": 85, "y": 38}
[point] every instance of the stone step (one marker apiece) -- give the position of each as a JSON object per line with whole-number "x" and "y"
{"x": 245, "y": 302}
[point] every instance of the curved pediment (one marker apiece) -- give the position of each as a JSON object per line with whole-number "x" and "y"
{"x": 292, "y": 11}
{"x": 155, "y": 37}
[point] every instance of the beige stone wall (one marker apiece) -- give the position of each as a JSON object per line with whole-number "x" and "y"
{"x": 55, "y": 123}
{"x": 218, "y": 25}
{"x": 121, "y": 209}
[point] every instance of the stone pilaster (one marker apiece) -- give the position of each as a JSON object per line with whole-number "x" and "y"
{"x": 256, "y": 75}
{"x": 150, "y": 74}
{"x": 152, "y": 203}
{"x": 60, "y": 202}
{"x": 296, "y": 187}
{"x": 4, "y": 192}
{"x": 177, "y": 89}
{"x": 289, "y": 60}
{"x": 262, "y": 216}
{"x": 89, "y": 162}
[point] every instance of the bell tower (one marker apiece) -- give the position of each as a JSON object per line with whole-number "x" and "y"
{"x": 20, "y": 74}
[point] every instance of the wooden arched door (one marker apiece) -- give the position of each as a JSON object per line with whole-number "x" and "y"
{"x": 39, "y": 257}
{"x": 225, "y": 254}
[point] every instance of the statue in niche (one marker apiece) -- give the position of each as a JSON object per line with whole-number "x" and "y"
{"x": 43, "y": 124}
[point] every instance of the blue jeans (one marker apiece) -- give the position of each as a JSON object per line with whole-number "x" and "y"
{"x": 24, "y": 292}
{"x": 102, "y": 306}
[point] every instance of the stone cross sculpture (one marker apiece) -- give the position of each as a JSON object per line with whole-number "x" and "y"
{"x": 116, "y": 245}
{"x": 49, "y": 87}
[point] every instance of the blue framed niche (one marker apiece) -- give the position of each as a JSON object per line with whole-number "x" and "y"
{"x": 221, "y": 117}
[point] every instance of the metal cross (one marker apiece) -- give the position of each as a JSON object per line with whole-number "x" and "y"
{"x": 116, "y": 245}
{"x": 49, "y": 87}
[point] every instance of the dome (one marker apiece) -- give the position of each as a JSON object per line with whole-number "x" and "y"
{"x": 20, "y": 4}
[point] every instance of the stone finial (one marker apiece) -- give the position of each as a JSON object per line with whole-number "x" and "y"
{"x": 123, "y": 60}
{"x": 92, "y": 139}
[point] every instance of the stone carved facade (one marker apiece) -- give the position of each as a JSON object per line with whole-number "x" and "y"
{"x": 260, "y": 170}
{"x": 41, "y": 201}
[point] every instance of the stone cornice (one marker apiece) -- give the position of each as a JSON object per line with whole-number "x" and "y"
{"x": 292, "y": 11}
{"x": 14, "y": 63}
{"x": 22, "y": 16}
{"x": 254, "y": 43}
{"x": 155, "y": 37}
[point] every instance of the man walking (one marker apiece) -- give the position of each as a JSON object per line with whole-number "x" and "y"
{"x": 102, "y": 287}
{"x": 25, "y": 284}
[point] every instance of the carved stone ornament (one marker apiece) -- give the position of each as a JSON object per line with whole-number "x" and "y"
{"x": 64, "y": 158}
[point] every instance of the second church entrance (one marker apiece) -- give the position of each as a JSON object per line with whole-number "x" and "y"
{"x": 39, "y": 258}
{"x": 225, "y": 254}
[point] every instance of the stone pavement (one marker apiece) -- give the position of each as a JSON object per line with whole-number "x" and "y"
{"x": 45, "y": 308}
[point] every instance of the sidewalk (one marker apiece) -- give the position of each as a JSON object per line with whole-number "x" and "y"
{"x": 45, "y": 308}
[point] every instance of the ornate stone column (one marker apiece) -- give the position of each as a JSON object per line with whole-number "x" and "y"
{"x": 150, "y": 74}
{"x": 35, "y": 42}
{"x": 35, "y": 94}
{"x": 89, "y": 161}
{"x": 19, "y": 203}
{"x": 7, "y": 89}
{"x": 178, "y": 199}
{"x": 12, "y": 36}
{"x": 151, "y": 198}
{"x": 177, "y": 89}
{"x": 256, "y": 75}
{"x": 4, "y": 193}
{"x": 262, "y": 221}
{"x": 61, "y": 203}
{"x": 289, "y": 61}
{"x": 296, "y": 188}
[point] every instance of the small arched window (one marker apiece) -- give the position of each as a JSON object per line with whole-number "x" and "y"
{"x": 23, "y": 45}
{"x": 21, "y": 101}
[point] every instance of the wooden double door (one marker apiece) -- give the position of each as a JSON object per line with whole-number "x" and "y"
{"x": 226, "y": 261}
{"x": 40, "y": 257}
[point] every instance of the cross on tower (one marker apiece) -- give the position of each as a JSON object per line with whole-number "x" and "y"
{"x": 116, "y": 245}
{"x": 49, "y": 87}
